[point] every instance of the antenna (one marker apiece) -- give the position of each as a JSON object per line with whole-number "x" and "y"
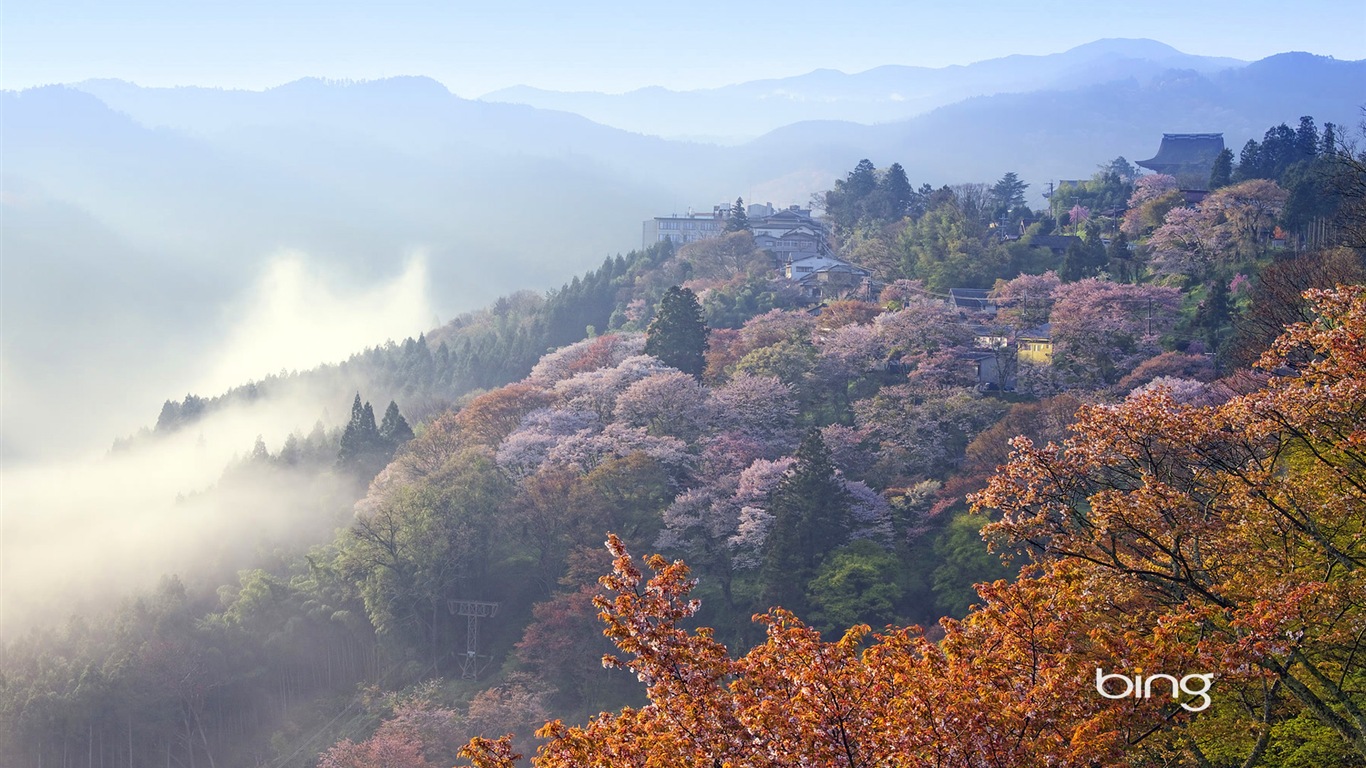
{"x": 473, "y": 611}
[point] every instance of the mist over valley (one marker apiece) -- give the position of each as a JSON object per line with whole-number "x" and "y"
{"x": 291, "y": 375}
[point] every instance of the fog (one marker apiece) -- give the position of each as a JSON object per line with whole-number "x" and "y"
{"x": 83, "y": 525}
{"x": 292, "y": 319}
{"x": 158, "y": 242}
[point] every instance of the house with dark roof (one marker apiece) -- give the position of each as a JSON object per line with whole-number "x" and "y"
{"x": 789, "y": 235}
{"x": 825, "y": 277}
{"x": 1058, "y": 244}
{"x": 1187, "y": 156}
{"x": 972, "y": 300}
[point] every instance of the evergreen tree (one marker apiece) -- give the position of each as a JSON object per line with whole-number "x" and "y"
{"x": 1221, "y": 175}
{"x": 394, "y": 429}
{"x": 1249, "y": 162}
{"x": 677, "y": 335}
{"x": 862, "y": 180}
{"x": 1009, "y": 193}
{"x": 1329, "y": 141}
{"x": 1120, "y": 259}
{"x": 810, "y": 509}
{"x": 1085, "y": 258}
{"x": 896, "y": 189}
{"x": 362, "y": 452}
{"x": 1213, "y": 314}
{"x": 1306, "y": 139}
{"x": 739, "y": 220}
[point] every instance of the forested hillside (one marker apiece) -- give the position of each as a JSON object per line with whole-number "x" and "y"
{"x": 1155, "y": 417}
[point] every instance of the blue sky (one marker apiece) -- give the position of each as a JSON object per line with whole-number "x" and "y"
{"x": 610, "y": 45}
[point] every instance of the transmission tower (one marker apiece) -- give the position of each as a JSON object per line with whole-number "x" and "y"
{"x": 473, "y": 611}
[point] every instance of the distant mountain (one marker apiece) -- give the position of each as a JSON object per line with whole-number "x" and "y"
{"x": 1067, "y": 133}
{"x": 143, "y": 209}
{"x": 883, "y": 94}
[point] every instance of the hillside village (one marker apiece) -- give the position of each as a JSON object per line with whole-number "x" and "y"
{"x": 805, "y": 253}
{"x": 820, "y": 409}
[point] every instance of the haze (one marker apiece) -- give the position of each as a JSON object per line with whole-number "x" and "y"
{"x": 611, "y": 45}
{"x": 160, "y": 241}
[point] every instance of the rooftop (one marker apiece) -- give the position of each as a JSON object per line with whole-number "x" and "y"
{"x": 1185, "y": 150}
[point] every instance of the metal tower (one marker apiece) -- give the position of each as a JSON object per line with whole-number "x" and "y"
{"x": 473, "y": 611}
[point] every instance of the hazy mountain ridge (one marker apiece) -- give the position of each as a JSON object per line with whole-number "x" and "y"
{"x": 362, "y": 176}
{"x": 882, "y": 94}
{"x": 1066, "y": 133}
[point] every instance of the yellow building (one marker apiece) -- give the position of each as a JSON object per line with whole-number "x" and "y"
{"x": 1035, "y": 346}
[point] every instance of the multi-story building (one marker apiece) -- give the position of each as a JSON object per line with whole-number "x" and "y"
{"x": 787, "y": 234}
{"x": 685, "y": 229}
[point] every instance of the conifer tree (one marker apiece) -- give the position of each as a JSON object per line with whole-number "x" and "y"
{"x": 363, "y": 452}
{"x": 1221, "y": 174}
{"x": 898, "y": 192}
{"x": 739, "y": 220}
{"x": 394, "y": 429}
{"x": 678, "y": 335}
{"x": 810, "y": 509}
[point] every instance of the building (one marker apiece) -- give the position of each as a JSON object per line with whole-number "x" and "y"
{"x": 787, "y": 234}
{"x": 825, "y": 277}
{"x": 1036, "y": 345}
{"x": 689, "y": 228}
{"x": 972, "y": 300}
{"x": 1057, "y": 244}
{"x": 1187, "y": 156}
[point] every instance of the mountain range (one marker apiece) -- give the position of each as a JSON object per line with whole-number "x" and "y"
{"x": 133, "y": 212}
{"x": 883, "y": 94}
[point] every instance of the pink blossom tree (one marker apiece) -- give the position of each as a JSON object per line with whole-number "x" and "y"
{"x": 597, "y": 390}
{"x": 762, "y": 408}
{"x": 922, "y": 325}
{"x": 1025, "y": 301}
{"x": 590, "y": 354}
{"x": 666, "y": 403}
{"x": 1153, "y": 196}
{"x": 1103, "y": 330}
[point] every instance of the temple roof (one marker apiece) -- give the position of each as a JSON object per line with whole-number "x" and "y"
{"x": 1185, "y": 151}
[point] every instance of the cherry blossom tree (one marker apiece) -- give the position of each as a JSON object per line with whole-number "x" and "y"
{"x": 667, "y": 403}
{"x": 922, "y": 325}
{"x": 597, "y": 390}
{"x": 761, "y": 408}
{"x": 1103, "y": 330}
{"x": 1025, "y": 301}
{"x": 590, "y": 354}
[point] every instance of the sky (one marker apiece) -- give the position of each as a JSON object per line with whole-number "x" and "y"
{"x": 610, "y": 45}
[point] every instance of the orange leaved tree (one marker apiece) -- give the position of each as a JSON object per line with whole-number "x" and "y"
{"x": 1223, "y": 547}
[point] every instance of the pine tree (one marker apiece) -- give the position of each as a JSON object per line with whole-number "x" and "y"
{"x": 1084, "y": 258}
{"x": 1329, "y": 142}
{"x": 739, "y": 220}
{"x": 1306, "y": 139}
{"x": 394, "y": 429}
{"x": 1221, "y": 175}
{"x": 677, "y": 335}
{"x": 810, "y": 509}
{"x": 897, "y": 190}
{"x": 362, "y": 450}
{"x": 1009, "y": 192}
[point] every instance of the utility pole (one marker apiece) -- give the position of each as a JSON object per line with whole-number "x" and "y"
{"x": 473, "y": 611}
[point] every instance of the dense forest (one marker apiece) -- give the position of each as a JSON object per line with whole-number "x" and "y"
{"x": 1175, "y": 486}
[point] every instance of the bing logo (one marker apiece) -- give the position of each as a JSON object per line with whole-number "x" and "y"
{"x": 1139, "y": 687}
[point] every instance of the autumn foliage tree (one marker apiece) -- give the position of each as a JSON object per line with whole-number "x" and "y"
{"x": 1225, "y": 540}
